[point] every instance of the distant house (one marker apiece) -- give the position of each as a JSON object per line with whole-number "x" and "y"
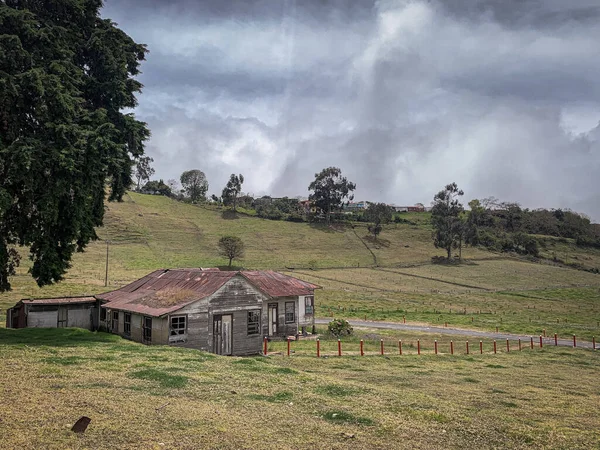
{"x": 356, "y": 206}
{"x": 224, "y": 312}
{"x": 416, "y": 208}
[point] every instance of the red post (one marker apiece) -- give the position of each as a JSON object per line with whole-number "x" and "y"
{"x": 574, "y": 341}
{"x": 435, "y": 346}
{"x": 339, "y": 348}
{"x": 265, "y": 347}
{"x": 555, "y": 339}
{"x": 403, "y": 319}
{"x": 451, "y": 348}
{"x": 494, "y": 346}
{"x": 288, "y": 346}
{"x": 418, "y": 346}
{"x": 519, "y": 344}
{"x": 531, "y": 341}
{"x": 400, "y": 347}
{"x": 541, "y": 344}
{"x": 382, "y": 346}
{"x": 507, "y": 346}
{"x": 467, "y": 347}
{"x": 481, "y": 347}
{"x": 318, "y": 348}
{"x": 362, "y": 348}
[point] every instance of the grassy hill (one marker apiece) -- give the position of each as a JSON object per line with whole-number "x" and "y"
{"x": 161, "y": 397}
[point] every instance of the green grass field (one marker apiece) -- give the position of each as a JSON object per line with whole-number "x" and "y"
{"x": 158, "y": 397}
{"x": 161, "y": 397}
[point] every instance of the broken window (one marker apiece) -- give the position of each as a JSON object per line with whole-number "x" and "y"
{"x": 127, "y": 324}
{"x": 147, "y": 329}
{"x": 115, "y": 321}
{"x": 178, "y": 325}
{"x": 290, "y": 312}
{"x": 309, "y": 305}
{"x": 254, "y": 322}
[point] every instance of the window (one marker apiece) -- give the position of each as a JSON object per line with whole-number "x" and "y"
{"x": 102, "y": 314}
{"x": 127, "y": 324}
{"x": 254, "y": 322}
{"x": 290, "y": 312}
{"x": 115, "y": 321}
{"x": 178, "y": 325}
{"x": 309, "y": 305}
{"x": 147, "y": 329}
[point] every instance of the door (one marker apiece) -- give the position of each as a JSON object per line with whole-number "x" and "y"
{"x": 63, "y": 314}
{"x": 222, "y": 334}
{"x": 272, "y": 319}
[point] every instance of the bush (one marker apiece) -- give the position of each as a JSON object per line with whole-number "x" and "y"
{"x": 339, "y": 328}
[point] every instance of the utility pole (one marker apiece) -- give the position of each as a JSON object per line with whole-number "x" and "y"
{"x": 106, "y": 273}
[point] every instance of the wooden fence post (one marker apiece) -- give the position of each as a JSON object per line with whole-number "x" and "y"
{"x": 362, "y": 349}
{"x": 288, "y": 346}
{"x": 318, "y": 348}
{"x": 507, "y": 346}
{"x": 574, "y": 341}
{"x": 400, "y": 347}
{"x": 555, "y": 339}
{"x": 339, "y": 347}
{"x": 418, "y": 346}
{"x": 494, "y": 346}
{"x": 481, "y": 347}
{"x": 519, "y": 344}
{"x": 435, "y": 346}
{"x": 532, "y": 342}
{"x": 541, "y": 344}
{"x": 451, "y": 348}
{"x": 382, "y": 347}
{"x": 265, "y": 346}
{"x": 467, "y": 347}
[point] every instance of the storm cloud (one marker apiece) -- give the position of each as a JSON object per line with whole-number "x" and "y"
{"x": 404, "y": 96}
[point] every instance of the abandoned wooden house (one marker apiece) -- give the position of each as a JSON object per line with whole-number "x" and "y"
{"x": 224, "y": 312}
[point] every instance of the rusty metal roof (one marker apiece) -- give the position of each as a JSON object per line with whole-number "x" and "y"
{"x": 167, "y": 290}
{"x": 58, "y": 300}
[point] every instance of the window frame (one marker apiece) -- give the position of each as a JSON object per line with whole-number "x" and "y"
{"x": 179, "y": 333}
{"x": 309, "y": 305}
{"x": 254, "y": 323}
{"x": 146, "y": 330}
{"x": 293, "y": 319}
{"x": 127, "y": 324}
{"x": 114, "y": 321}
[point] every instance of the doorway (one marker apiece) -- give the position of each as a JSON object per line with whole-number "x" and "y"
{"x": 273, "y": 319}
{"x": 222, "y": 334}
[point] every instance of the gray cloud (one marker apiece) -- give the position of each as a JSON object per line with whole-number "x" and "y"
{"x": 405, "y": 96}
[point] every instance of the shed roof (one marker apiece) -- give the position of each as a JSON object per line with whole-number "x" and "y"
{"x": 167, "y": 290}
{"x": 58, "y": 300}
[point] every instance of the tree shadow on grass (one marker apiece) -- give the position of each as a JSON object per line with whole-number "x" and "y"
{"x": 379, "y": 242}
{"x": 331, "y": 228}
{"x": 55, "y": 337}
{"x": 228, "y": 214}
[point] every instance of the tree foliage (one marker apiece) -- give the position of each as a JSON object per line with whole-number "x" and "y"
{"x": 194, "y": 184}
{"x": 65, "y": 76}
{"x": 232, "y": 190}
{"x": 330, "y": 189}
{"x": 446, "y": 218}
{"x": 378, "y": 214}
{"x": 143, "y": 169}
{"x": 231, "y": 247}
{"x": 157, "y": 188}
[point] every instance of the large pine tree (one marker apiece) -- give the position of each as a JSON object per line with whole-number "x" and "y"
{"x": 65, "y": 76}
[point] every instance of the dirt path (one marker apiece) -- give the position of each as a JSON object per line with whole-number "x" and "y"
{"x": 458, "y": 332}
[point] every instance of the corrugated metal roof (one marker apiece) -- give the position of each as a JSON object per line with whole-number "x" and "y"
{"x": 167, "y": 290}
{"x": 58, "y": 300}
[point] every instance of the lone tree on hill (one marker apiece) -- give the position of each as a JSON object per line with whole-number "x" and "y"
{"x": 66, "y": 75}
{"x": 379, "y": 214}
{"x": 232, "y": 190}
{"x": 231, "y": 247}
{"x": 143, "y": 169}
{"x": 194, "y": 184}
{"x": 329, "y": 190}
{"x": 446, "y": 220}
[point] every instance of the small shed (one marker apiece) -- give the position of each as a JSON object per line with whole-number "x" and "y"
{"x": 80, "y": 312}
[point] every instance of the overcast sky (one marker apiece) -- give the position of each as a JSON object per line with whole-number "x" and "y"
{"x": 405, "y": 96}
